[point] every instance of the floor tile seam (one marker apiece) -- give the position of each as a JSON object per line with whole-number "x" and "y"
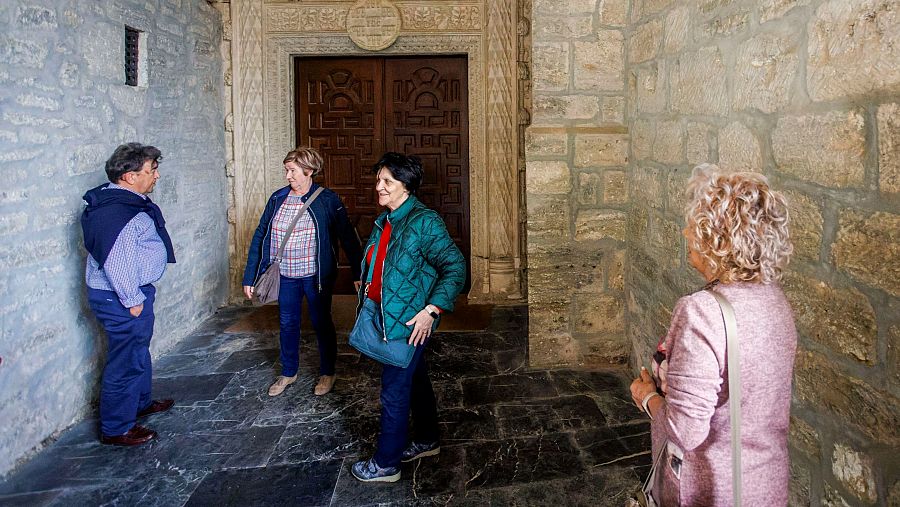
{"x": 626, "y": 424}
{"x": 583, "y": 457}
{"x": 566, "y": 431}
{"x": 196, "y": 484}
{"x": 78, "y": 484}
{"x": 458, "y": 443}
{"x": 517, "y": 403}
{"x": 337, "y": 481}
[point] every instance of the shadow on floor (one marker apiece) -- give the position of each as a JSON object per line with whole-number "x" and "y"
{"x": 511, "y": 435}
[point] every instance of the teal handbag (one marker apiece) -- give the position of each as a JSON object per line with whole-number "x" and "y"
{"x": 368, "y": 337}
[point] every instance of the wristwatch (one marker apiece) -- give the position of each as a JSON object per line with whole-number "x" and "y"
{"x": 432, "y": 310}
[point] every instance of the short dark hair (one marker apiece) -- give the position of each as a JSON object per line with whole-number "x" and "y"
{"x": 406, "y": 169}
{"x": 130, "y": 157}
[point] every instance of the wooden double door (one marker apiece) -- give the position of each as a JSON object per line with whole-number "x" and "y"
{"x": 353, "y": 110}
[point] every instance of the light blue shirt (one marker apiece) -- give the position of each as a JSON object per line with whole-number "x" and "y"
{"x": 138, "y": 257}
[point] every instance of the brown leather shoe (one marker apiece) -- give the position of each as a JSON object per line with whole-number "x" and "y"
{"x": 137, "y": 435}
{"x": 156, "y": 406}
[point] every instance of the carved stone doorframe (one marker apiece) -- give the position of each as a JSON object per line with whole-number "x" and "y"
{"x": 267, "y": 36}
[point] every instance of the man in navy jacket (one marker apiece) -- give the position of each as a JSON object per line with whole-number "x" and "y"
{"x": 128, "y": 249}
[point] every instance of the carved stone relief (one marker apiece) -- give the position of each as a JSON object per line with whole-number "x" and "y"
{"x": 293, "y": 18}
{"x": 280, "y": 18}
{"x": 458, "y": 17}
{"x": 524, "y": 96}
{"x": 264, "y": 87}
{"x": 373, "y": 24}
{"x": 502, "y": 105}
{"x": 249, "y": 127}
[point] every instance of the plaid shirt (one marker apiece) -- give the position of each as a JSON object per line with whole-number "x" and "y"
{"x": 300, "y": 253}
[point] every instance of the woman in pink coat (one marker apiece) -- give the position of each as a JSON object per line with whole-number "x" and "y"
{"x": 737, "y": 238}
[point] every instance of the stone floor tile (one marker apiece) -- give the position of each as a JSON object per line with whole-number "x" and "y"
{"x": 177, "y": 365}
{"x": 208, "y": 416}
{"x": 589, "y": 489}
{"x": 448, "y": 393}
{"x": 510, "y": 435}
{"x": 505, "y": 388}
{"x": 247, "y": 359}
{"x": 511, "y": 361}
{"x": 86, "y": 431}
{"x": 308, "y": 484}
{"x": 464, "y": 425}
{"x": 578, "y": 382}
{"x": 160, "y": 487}
{"x": 191, "y": 388}
{"x": 257, "y": 448}
{"x": 625, "y": 445}
{"x": 419, "y": 481}
{"x": 564, "y": 413}
{"x": 225, "y": 343}
{"x": 326, "y": 439}
{"x": 41, "y": 499}
{"x": 498, "y": 463}
{"x": 449, "y": 362}
{"x": 350, "y": 492}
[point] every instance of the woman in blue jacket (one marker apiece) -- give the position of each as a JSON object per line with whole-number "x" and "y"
{"x": 308, "y": 266}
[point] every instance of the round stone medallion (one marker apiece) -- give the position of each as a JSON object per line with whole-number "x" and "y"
{"x": 373, "y": 24}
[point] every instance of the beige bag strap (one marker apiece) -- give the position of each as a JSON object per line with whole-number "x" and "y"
{"x": 734, "y": 390}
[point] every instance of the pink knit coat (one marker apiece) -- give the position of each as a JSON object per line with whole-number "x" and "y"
{"x": 695, "y": 416}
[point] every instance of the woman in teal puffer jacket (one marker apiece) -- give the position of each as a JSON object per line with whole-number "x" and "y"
{"x": 412, "y": 272}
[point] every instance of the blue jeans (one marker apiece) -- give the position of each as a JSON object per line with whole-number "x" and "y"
{"x": 290, "y": 297}
{"x": 402, "y": 390}
{"x": 128, "y": 372}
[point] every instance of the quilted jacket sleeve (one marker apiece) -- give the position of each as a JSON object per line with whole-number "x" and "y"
{"x": 441, "y": 252}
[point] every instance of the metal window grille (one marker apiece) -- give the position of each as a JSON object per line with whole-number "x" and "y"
{"x": 131, "y": 56}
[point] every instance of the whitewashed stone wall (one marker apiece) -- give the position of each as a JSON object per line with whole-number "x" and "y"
{"x": 807, "y": 92}
{"x": 64, "y": 107}
{"x": 576, "y": 183}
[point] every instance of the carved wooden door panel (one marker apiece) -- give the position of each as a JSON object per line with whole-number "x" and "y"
{"x": 352, "y": 110}
{"x": 427, "y": 115}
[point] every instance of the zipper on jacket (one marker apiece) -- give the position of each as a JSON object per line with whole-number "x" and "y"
{"x": 362, "y": 276}
{"x": 318, "y": 245}
{"x": 386, "y": 250}
{"x": 387, "y": 247}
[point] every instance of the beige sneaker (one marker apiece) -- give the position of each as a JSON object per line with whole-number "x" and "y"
{"x": 325, "y": 385}
{"x": 280, "y": 383}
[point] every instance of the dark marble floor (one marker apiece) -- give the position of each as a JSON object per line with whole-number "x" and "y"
{"x": 511, "y": 435}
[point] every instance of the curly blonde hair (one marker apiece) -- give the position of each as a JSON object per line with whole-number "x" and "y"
{"x": 739, "y": 225}
{"x": 306, "y": 158}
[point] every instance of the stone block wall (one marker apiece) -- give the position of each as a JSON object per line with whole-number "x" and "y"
{"x": 64, "y": 107}
{"x": 576, "y": 183}
{"x": 808, "y": 93}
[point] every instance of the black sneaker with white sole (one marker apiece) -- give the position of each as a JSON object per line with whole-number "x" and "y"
{"x": 369, "y": 471}
{"x": 418, "y": 450}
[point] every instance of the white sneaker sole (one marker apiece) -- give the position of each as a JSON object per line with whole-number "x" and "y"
{"x": 433, "y": 452}
{"x": 386, "y": 478}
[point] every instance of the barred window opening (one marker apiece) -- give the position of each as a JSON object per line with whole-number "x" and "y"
{"x": 132, "y": 53}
